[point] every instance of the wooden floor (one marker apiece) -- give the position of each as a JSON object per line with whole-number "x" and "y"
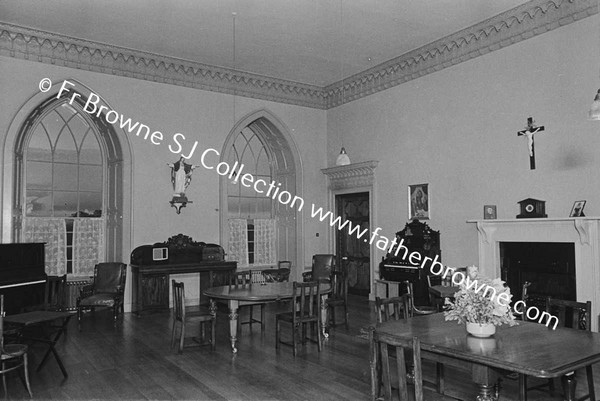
{"x": 134, "y": 362}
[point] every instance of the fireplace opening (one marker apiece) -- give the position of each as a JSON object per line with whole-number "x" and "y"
{"x": 548, "y": 266}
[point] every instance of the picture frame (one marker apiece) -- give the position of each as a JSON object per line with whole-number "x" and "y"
{"x": 577, "y": 209}
{"x": 489, "y": 212}
{"x": 419, "y": 202}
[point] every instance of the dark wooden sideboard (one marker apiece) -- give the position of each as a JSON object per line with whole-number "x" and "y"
{"x": 152, "y": 266}
{"x": 150, "y": 283}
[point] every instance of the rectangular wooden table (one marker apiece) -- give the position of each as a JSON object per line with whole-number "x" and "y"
{"x": 531, "y": 349}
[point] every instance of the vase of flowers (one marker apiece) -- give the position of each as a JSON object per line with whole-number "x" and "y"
{"x": 481, "y": 304}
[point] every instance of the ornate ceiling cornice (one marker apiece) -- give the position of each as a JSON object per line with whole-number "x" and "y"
{"x": 523, "y": 22}
{"x": 520, "y": 23}
{"x": 51, "y": 48}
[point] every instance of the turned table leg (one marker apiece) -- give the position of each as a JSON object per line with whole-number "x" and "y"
{"x": 233, "y": 321}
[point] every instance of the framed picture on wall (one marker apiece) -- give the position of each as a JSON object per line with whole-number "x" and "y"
{"x": 418, "y": 202}
{"x": 577, "y": 209}
{"x": 489, "y": 212}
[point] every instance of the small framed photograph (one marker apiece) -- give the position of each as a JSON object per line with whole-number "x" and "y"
{"x": 489, "y": 212}
{"x": 577, "y": 209}
{"x": 418, "y": 202}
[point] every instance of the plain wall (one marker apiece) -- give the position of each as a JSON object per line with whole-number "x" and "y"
{"x": 456, "y": 129}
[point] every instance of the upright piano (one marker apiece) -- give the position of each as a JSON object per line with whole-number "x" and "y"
{"x": 152, "y": 265}
{"x": 22, "y": 276}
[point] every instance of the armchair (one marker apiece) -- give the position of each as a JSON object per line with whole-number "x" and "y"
{"x": 106, "y": 290}
{"x": 322, "y": 266}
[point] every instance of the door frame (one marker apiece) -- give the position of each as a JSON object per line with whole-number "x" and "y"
{"x": 354, "y": 178}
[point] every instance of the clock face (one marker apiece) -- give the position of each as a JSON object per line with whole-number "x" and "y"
{"x": 529, "y": 208}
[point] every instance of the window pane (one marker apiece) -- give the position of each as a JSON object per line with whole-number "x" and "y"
{"x": 233, "y": 207}
{"x": 65, "y": 176}
{"x": 39, "y": 175}
{"x": 39, "y": 146}
{"x": 38, "y": 203}
{"x": 90, "y": 150}
{"x": 90, "y": 178}
{"x": 90, "y": 204}
{"x": 65, "y": 148}
{"x": 247, "y": 207}
{"x": 65, "y": 203}
{"x": 53, "y": 124}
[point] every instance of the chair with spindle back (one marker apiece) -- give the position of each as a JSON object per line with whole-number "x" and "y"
{"x": 12, "y": 356}
{"x": 242, "y": 280}
{"x": 305, "y": 310}
{"x": 183, "y": 318}
{"x": 388, "y": 308}
{"x": 382, "y": 371}
{"x": 574, "y": 315}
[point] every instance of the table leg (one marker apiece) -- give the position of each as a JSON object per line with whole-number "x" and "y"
{"x": 486, "y": 379}
{"x": 569, "y": 383}
{"x": 233, "y": 321}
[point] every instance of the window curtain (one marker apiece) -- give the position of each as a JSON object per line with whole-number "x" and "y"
{"x": 238, "y": 241}
{"x": 88, "y": 245}
{"x": 265, "y": 252}
{"x": 52, "y": 231}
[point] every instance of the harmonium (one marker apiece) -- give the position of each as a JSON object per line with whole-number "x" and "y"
{"x": 152, "y": 265}
{"x": 419, "y": 237}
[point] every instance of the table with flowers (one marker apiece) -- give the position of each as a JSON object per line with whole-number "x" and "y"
{"x": 527, "y": 348}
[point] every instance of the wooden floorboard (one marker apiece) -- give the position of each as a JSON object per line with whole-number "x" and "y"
{"x": 134, "y": 361}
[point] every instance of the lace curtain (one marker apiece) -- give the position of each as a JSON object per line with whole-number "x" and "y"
{"x": 53, "y": 232}
{"x": 265, "y": 252}
{"x": 88, "y": 245}
{"x": 238, "y": 241}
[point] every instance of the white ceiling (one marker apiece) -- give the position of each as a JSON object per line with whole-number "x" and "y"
{"x": 309, "y": 41}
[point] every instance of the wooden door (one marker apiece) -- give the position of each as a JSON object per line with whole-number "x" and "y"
{"x": 354, "y": 252}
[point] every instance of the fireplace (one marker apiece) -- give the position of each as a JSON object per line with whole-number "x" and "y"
{"x": 548, "y": 266}
{"x": 582, "y": 233}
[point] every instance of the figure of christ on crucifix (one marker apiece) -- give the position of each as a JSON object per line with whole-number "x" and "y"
{"x": 529, "y": 132}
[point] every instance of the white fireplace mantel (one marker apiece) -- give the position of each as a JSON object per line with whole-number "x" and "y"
{"x": 581, "y": 231}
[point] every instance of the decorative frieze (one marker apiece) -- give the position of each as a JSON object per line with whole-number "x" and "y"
{"x": 351, "y": 176}
{"x": 530, "y": 19}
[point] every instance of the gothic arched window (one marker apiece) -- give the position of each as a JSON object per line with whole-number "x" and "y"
{"x": 63, "y": 185}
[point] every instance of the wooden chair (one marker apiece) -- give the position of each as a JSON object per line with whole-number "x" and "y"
{"x": 54, "y": 293}
{"x": 241, "y": 280}
{"x": 338, "y": 298}
{"x": 106, "y": 290}
{"x": 414, "y": 309}
{"x": 388, "y": 308}
{"x": 382, "y": 372}
{"x": 438, "y": 302}
{"x": 12, "y": 356}
{"x": 182, "y": 317}
{"x": 398, "y": 308}
{"x": 305, "y": 310}
{"x": 322, "y": 266}
{"x": 574, "y": 315}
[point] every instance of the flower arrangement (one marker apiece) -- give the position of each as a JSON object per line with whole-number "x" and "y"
{"x": 480, "y": 301}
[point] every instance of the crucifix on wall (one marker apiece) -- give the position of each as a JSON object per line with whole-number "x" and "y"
{"x": 529, "y": 132}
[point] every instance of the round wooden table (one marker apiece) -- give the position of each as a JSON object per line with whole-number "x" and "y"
{"x": 256, "y": 293}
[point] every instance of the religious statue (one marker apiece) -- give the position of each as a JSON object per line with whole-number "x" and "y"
{"x": 181, "y": 176}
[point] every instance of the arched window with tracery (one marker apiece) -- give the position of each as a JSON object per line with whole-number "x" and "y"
{"x": 252, "y": 225}
{"x": 257, "y": 229}
{"x": 62, "y": 188}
